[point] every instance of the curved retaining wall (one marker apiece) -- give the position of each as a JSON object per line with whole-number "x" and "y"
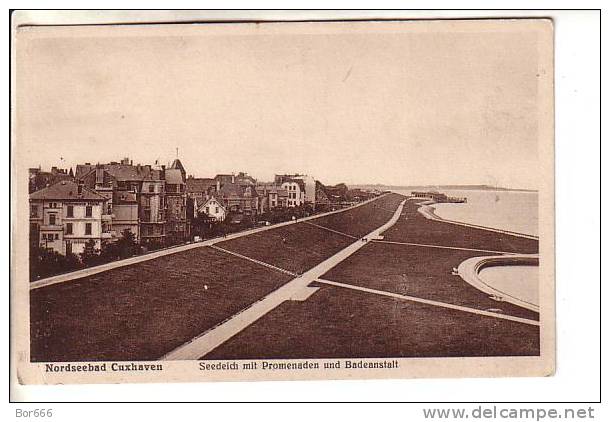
{"x": 469, "y": 271}
{"x": 427, "y": 210}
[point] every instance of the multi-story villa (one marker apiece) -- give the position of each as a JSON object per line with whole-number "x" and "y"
{"x": 296, "y": 191}
{"x": 301, "y": 188}
{"x": 66, "y": 215}
{"x": 137, "y": 193}
{"x": 175, "y": 198}
{"x": 271, "y": 196}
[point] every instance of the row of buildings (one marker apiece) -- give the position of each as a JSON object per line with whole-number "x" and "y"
{"x": 158, "y": 204}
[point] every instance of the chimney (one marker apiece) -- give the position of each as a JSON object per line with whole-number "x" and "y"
{"x": 233, "y": 178}
{"x": 218, "y": 186}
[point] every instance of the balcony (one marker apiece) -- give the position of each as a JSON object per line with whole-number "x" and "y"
{"x": 107, "y": 217}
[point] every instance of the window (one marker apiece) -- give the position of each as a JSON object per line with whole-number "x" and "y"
{"x": 56, "y": 236}
{"x": 69, "y": 229}
{"x": 70, "y": 211}
{"x": 89, "y": 211}
{"x": 34, "y": 211}
{"x": 207, "y": 210}
{"x": 151, "y": 188}
{"x": 87, "y": 228}
{"x": 52, "y": 219}
{"x": 217, "y": 210}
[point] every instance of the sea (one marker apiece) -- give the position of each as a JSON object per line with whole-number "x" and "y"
{"x": 515, "y": 211}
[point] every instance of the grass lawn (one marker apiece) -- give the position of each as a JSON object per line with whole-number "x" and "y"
{"x": 296, "y": 247}
{"x": 341, "y": 323}
{"x": 414, "y": 227}
{"x": 299, "y": 247}
{"x": 419, "y": 272}
{"x": 364, "y": 219}
{"x": 143, "y": 311}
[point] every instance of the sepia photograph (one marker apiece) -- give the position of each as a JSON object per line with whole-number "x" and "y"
{"x": 283, "y": 200}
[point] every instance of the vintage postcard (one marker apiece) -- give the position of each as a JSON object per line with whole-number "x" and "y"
{"x": 282, "y": 201}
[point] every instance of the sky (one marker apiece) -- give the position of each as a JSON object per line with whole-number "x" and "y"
{"x": 398, "y": 103}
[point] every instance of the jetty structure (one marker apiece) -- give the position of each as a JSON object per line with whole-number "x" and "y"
{"x": 438, "y": 197}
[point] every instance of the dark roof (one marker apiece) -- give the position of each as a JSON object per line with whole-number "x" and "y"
{"x": 177, "y": 164}
{"x": 67, "y": 190}
{"x": 174, "y": 176}
{"x": 199, "y": 185}
{"x": 224, "y": 178}
{"x": 233, "y": 190}
{"x": 121, "y": 172}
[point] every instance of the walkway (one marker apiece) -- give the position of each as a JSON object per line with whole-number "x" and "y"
{"x": 141, "y": 258}
{"x": 430, "y": 302}
{"x": 208, "y": 341}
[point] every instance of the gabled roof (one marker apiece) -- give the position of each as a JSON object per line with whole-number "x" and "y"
{"x": 199, "y": 185}
{"x": 65, "y": 191}
{"x": 201, "y": 206}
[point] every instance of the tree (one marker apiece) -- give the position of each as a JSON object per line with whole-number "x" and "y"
{"x": 127, "y": 245}
{"x": 109, "y": 252}
{"x": 46, "y": 262}
{"x": 90, "y": 254}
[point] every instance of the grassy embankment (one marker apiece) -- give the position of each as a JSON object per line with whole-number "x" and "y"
{"x": 145, "y": 310}
{"x": 337, "y": 322}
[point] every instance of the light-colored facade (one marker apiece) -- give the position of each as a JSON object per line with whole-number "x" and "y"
{"x": 136, "y": 197}
{"x": 213, "y": 209}
{"x": 310, "y": 188}
{"x": 65, "y": 216}
{"x": 296, "y": 192}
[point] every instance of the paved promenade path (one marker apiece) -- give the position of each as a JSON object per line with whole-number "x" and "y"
{"x": 74, "y": 275}
{"x": 213, "y": 338}
{"x": 377, "y": 280}
{"x": 399, "y": 296}
{"x": 144, "y": 309}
